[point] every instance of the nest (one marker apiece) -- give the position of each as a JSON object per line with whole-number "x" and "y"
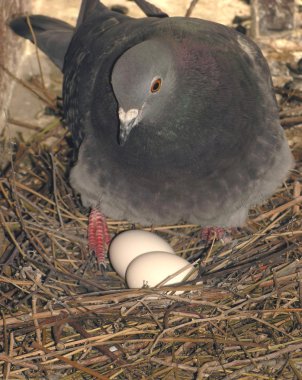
{"x": 63, "y": 316}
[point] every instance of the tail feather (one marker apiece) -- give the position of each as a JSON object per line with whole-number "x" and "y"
{"x": 53, "y": 36}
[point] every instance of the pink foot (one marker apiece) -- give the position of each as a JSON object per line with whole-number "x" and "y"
{"x": 98, "y": 235}
{"x": 210, "y": 233}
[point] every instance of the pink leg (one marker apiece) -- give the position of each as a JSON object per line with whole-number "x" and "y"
{"x": 98, "y": 235}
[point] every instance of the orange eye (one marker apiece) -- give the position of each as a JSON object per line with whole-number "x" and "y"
{"x": 156, "y": 85}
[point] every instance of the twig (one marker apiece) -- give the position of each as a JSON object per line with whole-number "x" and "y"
{"x": 296, "y": 194}
{"x": 277, "y": 210}
{"x": 54, "y": 181}
{"x": 45, "y": 98}
{"x": 36, "y": 49}
{"x": 191, "y": 8}
{"x": 73, "y": 363}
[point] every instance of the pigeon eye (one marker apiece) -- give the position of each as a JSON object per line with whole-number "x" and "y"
{"x": 156, "y": 85}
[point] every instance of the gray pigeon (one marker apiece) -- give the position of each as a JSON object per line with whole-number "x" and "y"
{"x": 174, "y": 119}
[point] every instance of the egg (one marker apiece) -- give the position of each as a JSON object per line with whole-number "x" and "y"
{"x": 126, "y": 246}
{"x": 152, "y": 268}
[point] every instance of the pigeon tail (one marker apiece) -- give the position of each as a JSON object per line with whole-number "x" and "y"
{"x": 52, "y": 36}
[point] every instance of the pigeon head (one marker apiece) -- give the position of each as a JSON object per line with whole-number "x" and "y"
{"x": 142, "y": 78}
{"x": 168, "y": 95}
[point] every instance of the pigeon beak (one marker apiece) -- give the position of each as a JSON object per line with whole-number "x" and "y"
{"x": 128, "y": 120}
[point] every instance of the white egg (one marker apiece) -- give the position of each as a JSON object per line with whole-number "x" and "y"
{"x": 152, "y": 268}
{"x": 126, "y": 246}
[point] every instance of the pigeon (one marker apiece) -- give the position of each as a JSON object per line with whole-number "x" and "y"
{"x": 173, "y": 119}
